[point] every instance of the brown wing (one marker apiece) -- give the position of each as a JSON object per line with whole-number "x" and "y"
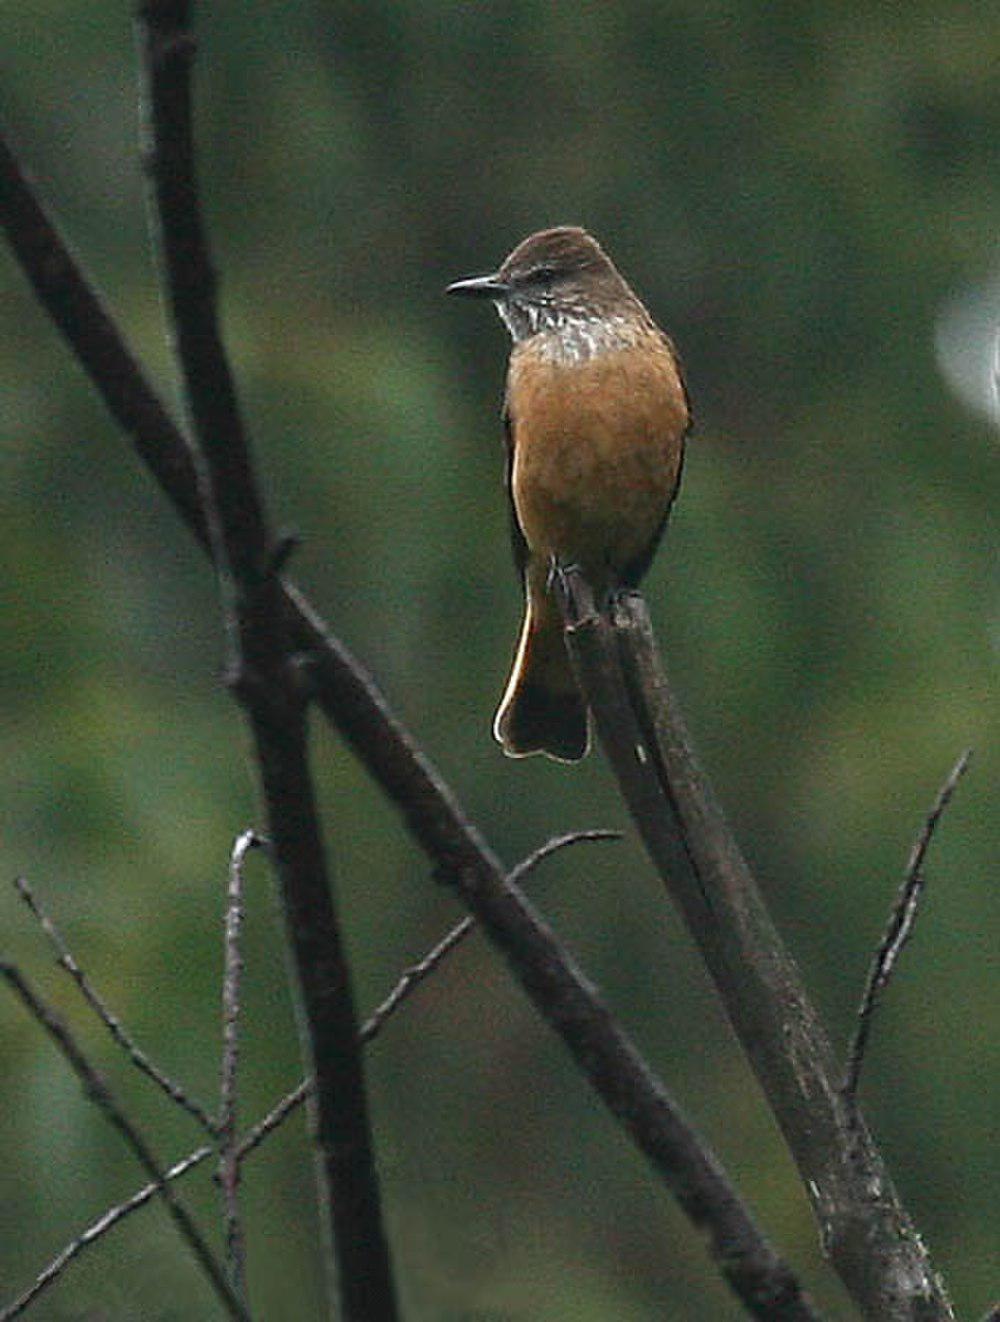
{"x": 636, "y": 569}
{"x": 518, "y": 545}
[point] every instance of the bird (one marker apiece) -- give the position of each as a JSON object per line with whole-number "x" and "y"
{"x": 596, "y": 416}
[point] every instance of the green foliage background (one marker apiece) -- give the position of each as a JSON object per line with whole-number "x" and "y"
{"x": 806, "y": 195}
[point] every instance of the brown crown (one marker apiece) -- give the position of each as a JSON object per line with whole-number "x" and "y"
{"x": 566, "y": 248}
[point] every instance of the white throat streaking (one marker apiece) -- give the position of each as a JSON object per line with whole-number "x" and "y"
{"x": 566, "y": 334}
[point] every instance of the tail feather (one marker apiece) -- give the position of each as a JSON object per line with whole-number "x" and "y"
{"x": 542, "y": 710}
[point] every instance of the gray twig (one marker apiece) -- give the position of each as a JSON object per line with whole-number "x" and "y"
{"x": 416, "y": 973}
{"x": 106, "y": 1015}
{"x": 229, "y": 1166}
{"x": 97, "y": 1230}
{"x": 408, "y": 981}
{"x": 98, "y": 1092}
{"x": 898, "y": 930}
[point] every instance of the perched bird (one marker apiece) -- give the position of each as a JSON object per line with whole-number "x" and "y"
{"x": 596, "y": 413}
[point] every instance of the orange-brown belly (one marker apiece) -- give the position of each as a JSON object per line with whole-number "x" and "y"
{"x": 597, "y": 454}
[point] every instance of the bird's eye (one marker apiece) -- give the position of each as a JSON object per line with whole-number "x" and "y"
{"x": 544, "y": 275}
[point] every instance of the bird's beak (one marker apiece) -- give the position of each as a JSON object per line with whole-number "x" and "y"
{"x": 480, "y": 286}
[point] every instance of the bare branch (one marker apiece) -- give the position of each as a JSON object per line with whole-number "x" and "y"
{"x": 864, "y": 1226}
{"x": 561, "y": 993}
{"x": 416, "y": 973}
{"x": 107, "y": 1017}
{"x": 79, "y": 313}
{"x": 898, "y": 930}
{"x": 263, "y": 680}
{"x": 229, "y": 1166}
{"x": 98, "y": 1092}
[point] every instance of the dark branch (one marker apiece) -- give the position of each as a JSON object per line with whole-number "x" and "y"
{"x": 633, "y": 1094}
{"x": 264, "y": 680}
{"x": 107, "y": 1017}
{"x": 864, "y": 1227}
{"x": 74, "y": 306}
{"x": 898, "y": 930}
{"x": 98, "y": 1092}
{"x": 354, "y": 705}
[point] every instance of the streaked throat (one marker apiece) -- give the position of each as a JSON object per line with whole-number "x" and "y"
{"x": 569, "y": 334}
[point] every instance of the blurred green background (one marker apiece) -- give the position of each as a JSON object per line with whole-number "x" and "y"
{"x": 806, "y": 196}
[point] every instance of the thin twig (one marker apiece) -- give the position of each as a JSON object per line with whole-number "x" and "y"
{"x": 898, "y": 930}
{"x": 98, "y": 1229}
{"x": 229, "y": 1166}
{"x": 106, "y": 1015}
{"x": 262, "y": 677}
{"x": 98, "y": 1092}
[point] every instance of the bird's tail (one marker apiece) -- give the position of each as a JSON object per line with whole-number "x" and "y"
{"x": 542, "y": 710}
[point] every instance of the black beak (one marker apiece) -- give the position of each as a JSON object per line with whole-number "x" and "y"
{"x": 480, "y": 286}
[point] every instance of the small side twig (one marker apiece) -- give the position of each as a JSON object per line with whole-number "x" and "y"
{"x": 107, "y": 1016}
{"x": 229, "y": 1166}
{"x": 99, "y": 1092}
{"x": 98, "y": 1229}
{"x": 898, "y": 930}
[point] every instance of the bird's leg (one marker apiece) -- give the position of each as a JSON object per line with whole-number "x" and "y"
{"x": 568, "y": 584}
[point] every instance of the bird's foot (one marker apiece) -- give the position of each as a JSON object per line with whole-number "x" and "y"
{"x": 558, "y": 572}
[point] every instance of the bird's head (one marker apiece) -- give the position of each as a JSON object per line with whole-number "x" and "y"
{"x": 553, "y": 280}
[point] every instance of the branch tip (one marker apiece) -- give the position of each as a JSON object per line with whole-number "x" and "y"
{"x": 899, "y": 928}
